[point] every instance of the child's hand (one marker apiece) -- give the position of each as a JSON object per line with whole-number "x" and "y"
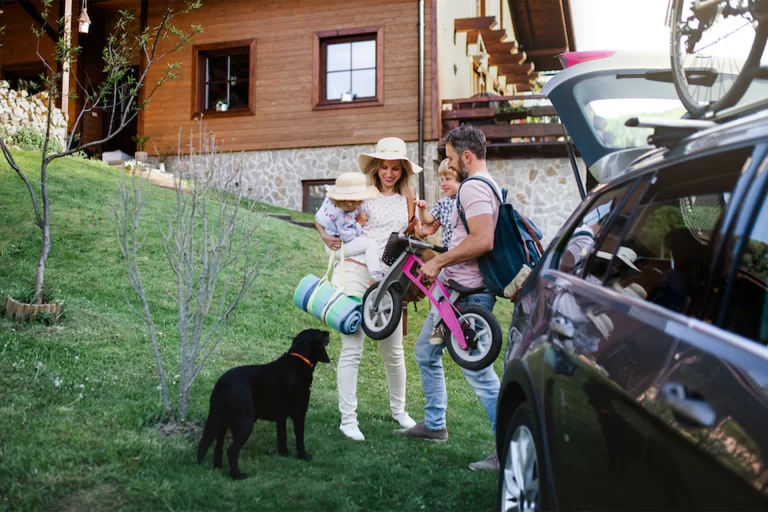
{"x": 420, "y": 203}
{"x": 430, "y": 229}
{"x": 362, "y": 218}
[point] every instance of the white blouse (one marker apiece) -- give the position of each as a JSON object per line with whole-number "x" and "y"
{"x": 386, "y": 214}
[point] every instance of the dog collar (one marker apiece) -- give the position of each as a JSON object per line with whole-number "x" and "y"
{"x": 301, "y": 357}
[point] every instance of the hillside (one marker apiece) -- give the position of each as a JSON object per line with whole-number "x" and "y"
{"x": 79, "y": 404}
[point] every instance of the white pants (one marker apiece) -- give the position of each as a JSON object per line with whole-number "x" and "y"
{"x": 362, "y": 245}
{"x": 356, "y": 281}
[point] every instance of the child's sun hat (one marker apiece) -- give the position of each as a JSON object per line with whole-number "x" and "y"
{"x": 351, "y": 186}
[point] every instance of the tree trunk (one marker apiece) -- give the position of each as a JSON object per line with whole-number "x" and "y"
{"x": 46, "y": 228}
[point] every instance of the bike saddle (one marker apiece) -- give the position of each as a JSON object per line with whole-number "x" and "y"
{"x": 464, "y": 289}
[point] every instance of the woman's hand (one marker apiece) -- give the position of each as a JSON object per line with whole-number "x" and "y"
{"x": 333, "y": 242}
{"x": 420, "y": 203}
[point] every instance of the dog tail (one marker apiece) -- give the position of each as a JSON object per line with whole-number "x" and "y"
{"x": 212, "y": 426}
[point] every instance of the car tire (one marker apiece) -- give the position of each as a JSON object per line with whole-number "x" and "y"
{"x": 522, "y": 477}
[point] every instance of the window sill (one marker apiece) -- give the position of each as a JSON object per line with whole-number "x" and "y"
{"x": 213, "y": 114}
{"x": 351, "y": 104}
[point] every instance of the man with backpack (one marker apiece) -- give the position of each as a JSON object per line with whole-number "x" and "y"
{"x": 465, "y": 149}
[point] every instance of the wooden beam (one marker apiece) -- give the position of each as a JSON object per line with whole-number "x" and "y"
{"x": 495, "y": 98}
{"x": 496, "y": 59}
{"x": 514, "y": 68}
{"x": 509, "y": 131}
{"x": 489, "y": 36}
{"x": 509, "y": 47}
{"x": 522, "y": 87}
{"x": 544, "y": 52}
{"x": 515, "y": 79}
{"x": 474, "y": 24}
{"x": 66, "y": 67}
{"x": 547, "y": 110}
{"x": 35, "y": 10}
{"x": 469, "y": 113}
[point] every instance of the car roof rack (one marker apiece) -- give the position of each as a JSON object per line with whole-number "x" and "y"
{"x": 668, "y": 132}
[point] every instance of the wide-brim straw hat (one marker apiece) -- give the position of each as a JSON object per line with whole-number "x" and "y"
{"x": 389, "y": 148}
{"x": 624, "y": 254}
{"x": 351, "y": 186}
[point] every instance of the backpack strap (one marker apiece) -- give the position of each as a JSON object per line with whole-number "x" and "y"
{"x": 502, "y": 198}
{"x": 532, "y": 232}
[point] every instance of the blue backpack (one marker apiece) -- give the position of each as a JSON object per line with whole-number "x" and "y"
{"x": 516, "y": 247}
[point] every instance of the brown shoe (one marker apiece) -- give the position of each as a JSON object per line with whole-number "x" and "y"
{"x": 421, "y": 430}
{"x": 490, "y": 463}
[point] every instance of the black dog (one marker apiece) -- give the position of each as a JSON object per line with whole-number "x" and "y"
{"x": 272, "y": 392}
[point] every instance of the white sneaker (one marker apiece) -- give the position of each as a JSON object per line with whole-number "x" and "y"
{"x": 352, "y": 431}
{"x": 404, "y": 420}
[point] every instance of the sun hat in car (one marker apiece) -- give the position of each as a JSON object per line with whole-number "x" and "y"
{"x": 389, "y": 148}
{"x": 636, "y": 291}
{"x": 601, "y": 321}
{"x": 624, "y": 254}
{"x": 351, "y": 186}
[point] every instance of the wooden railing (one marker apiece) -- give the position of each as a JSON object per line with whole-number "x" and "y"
{"x": 514, "y": 124}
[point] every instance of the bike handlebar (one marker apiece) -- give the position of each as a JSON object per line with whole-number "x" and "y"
{"x": 421, "y": 244}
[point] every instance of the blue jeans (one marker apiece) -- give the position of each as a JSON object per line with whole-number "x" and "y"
{"x": 484, "y": 382}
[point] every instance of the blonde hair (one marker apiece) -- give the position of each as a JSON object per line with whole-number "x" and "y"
{"x": 444, "y": 170}
{"x": 401, "y": 187}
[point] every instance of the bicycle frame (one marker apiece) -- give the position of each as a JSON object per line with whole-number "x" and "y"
{"x": 402, "y": 274}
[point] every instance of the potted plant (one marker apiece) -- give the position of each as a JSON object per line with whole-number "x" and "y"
{"x": 141, "y": 141}
{"x": 222, "y": 106}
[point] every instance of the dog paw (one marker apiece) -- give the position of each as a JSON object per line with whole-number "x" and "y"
{"x": 284, "y": 453}
{"x": 240, "y": 476}
{"x": 305, "y": 456}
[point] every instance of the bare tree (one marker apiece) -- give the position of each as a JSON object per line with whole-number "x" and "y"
{"x": 210, "y": 233}
{"x": 118, "y": 88}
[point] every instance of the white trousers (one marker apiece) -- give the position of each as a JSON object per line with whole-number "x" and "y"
{"x": 365, "y": 246}
{"x": 356, "y": 281}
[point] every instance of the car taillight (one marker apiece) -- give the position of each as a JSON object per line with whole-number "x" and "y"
{"x": 569, "y": 59}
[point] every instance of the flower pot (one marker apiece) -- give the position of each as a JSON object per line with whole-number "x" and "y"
{"x": 25, "y": 312}
{"x": 141, "y": 156}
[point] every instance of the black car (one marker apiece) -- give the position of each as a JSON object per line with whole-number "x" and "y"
{"x": 636, "y": 370}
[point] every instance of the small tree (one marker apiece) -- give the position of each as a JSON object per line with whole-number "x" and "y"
{"x": 210, "y": 239}
{"x": 119, "y": 87}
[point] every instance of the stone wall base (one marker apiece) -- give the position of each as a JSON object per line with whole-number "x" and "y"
{"x": 543, "y": 189}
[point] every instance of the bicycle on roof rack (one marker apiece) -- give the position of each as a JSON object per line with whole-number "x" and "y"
{"x": 473, "y": 334}
{"x": 707, "y": 38}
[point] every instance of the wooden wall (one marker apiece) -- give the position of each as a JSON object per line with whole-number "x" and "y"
{"x": 19, "y": 43}
{"x": 283, "y": 30}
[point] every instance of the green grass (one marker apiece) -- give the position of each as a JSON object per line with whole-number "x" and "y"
{"x": 79, "y": 405}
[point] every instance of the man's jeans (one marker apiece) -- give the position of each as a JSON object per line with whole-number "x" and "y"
{"x": 485, "y": 382}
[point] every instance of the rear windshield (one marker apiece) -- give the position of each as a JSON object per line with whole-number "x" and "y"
{"x": 608, "y": 116}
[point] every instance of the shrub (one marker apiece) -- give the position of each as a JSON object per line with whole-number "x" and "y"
{"x": 28, "y": 139}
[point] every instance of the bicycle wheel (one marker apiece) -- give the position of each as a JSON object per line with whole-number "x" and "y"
{"x": 382, "y": 322}
{"x": 707, "y": 46}
{"x": 483, "y": 335}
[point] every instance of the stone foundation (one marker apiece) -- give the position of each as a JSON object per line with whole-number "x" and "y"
{"x": 543, "y": 189}
{"x": 18, "y": 109}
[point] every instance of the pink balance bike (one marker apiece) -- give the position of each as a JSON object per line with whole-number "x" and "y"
{"x": 473, "y": 335}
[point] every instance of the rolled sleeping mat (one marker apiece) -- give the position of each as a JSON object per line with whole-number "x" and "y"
{"x": 323, "y": 301}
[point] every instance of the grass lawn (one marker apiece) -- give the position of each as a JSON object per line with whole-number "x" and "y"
{"x": 79, "y": 404}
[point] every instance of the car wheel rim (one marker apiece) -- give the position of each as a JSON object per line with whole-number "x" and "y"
{"x": 484, "y": 338}
{"x": 379, "y": 319}
{"x": 520, "y": 490}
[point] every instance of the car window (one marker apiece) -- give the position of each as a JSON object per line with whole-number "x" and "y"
{"x": 589, "y": 228}
{"x": 746, "y": 312}
{"x": 665, "y": 255}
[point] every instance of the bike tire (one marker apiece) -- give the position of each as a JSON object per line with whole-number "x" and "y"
{"x": 740, "y": 83}
{"x": 393, "y": 300}
{"x": 472, "y": 360}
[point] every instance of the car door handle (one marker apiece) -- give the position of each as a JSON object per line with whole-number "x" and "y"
{"x": 694, "y": 410}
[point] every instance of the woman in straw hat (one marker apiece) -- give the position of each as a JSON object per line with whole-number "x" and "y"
{"x": 389, "y": 170}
